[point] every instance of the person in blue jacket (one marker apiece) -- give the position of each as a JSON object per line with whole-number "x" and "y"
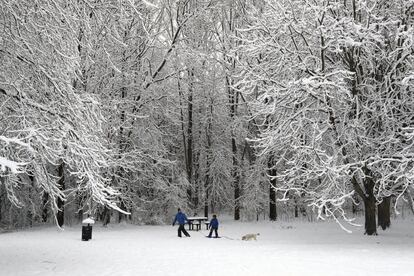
{"x": 213, "y": 226}
{"x": 181, "y": 218}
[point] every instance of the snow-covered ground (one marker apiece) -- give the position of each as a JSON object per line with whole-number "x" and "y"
{"x": 283, "y": 248}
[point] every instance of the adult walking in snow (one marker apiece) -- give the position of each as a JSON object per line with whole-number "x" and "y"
{"x": 213, "y": 226}
{"x": 181, "y": 218}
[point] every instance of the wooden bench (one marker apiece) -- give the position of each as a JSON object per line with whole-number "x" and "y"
{"x": 207, "y": 223}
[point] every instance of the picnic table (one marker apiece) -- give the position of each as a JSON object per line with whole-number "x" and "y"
{"x": 196, "y": 221}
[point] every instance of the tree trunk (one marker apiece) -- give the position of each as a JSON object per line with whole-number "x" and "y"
{"x": 122, "y": 147}
{"x": 189, "y": 152}
{"x": 60, "y": 203}
{"x": 410, "y": 200}
{"x": 106, "y": 216}
{"x": 45, "y": 214}
{"x": 236, "y": 180}
{"x": 1, "y": 195}
{"x": 296, "y": 209}
{"x": 370, "y": 221}
{"x": 233, "y": 101}
{"x": 206, "y": 207}
{"x": 272, "y": 197}
{"x": 207, "y": 182}
{"x": 355, "y": 206}
{"x": 369, "y": 204}
{"x": 272, "y": 188}
{"x": 369, "y": 200}
{"x": 208, "y": 158}
{"x": 196, "y": 181}
{"x": 384, "y": 214}
{"x": 122, "y": 216}
{"x": 272, "y": 204}
{"x": 80, "y": 210}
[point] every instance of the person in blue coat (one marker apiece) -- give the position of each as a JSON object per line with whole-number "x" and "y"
{"x": 181, "y": 218}
{"x": 214, "y": 224}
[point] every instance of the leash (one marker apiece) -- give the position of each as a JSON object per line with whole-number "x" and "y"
{"x": 226, "y": 237}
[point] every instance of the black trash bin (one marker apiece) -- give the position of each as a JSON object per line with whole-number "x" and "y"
{"x": 86, "y": 233}
{"x": 87, "y": 229}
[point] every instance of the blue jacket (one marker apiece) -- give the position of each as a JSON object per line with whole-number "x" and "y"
{"x": 214, "y": 223}
{"x": 181, "y": 218}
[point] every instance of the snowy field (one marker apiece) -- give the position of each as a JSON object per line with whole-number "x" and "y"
{"x": 283, "y": 248}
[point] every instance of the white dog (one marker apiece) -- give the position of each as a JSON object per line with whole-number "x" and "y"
{"x": 249, "y": 237}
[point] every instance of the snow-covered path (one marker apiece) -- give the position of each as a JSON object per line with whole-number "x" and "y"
{"x": 283, "y": 248}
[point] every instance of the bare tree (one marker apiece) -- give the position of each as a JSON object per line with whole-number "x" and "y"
{"x": 334, "y": 123}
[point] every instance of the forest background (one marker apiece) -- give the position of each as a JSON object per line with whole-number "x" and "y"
{"x": 125, "y": 110}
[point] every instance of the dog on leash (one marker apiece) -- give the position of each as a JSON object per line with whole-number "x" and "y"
{"x": 249, "y": 237}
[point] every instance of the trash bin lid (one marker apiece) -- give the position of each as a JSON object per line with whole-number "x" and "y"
{"x": 88, "y": 220}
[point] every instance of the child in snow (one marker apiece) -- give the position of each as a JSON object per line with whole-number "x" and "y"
{"x": 213, "y": 226}
{"x": 181, "y": 218}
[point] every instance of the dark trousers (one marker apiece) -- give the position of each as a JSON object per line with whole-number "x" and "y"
{"x": 182, "y": 229}
{"x": 211, "y": 232}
